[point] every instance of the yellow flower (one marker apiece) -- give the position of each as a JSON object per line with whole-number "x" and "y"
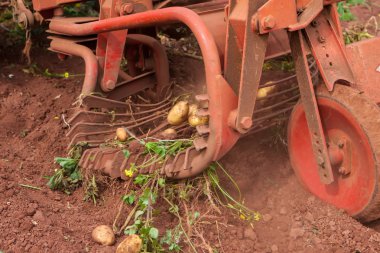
{"x": 256, "y": 216}
{"x": 128, "y": 173}
{"x": 66, "y": 75}
{"x": 242, "y": 216}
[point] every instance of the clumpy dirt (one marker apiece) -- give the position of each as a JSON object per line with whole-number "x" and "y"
{"x": 45, "y": 221}
{"x": 32, "y": 134}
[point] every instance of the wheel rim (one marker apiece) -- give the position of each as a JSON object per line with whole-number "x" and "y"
{"x": 352, "y": 192}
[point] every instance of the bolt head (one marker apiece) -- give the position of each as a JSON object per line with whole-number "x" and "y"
{"x": 344, "y": 171}
{"x": 110, "y": 85}
{"x": 321, "y": 39}
{"x": 126, "y": 9}
{"x": 246, "y": 122}
{"x": 268, "y": 22}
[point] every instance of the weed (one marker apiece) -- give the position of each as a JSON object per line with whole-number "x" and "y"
{"x": 66, "y": 178}
{"x": 35, "y": 70}
{"x": 344, "y": 9}
{"x": 88, "y": 8}
{"x": 284, "y": 63}
{"x": 91, "y": 190}
{"x": 182, "y": 199}
{"x": 30, "y": 187}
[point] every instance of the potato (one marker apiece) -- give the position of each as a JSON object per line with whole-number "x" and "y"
{"x": 178, "y": 113}
{"x": 103, "y": 235}
{"x": 121, "y": 134}
{"x": 193, "y": 109}
{"x": 169, "y": 134}
{"x": 195, "y": 120}
{"x": 131, "y": 244}
{"x": 263, "y": 92}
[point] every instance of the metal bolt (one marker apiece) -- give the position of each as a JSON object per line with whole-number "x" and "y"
{"x": 246, "y": 122}
{"x": 344, "y": 171}
{"x": 268, "y": 22}
{"x": 110, "y": 85}
{"x": 314, "y": 23}
{"x": 321, "y": 161}
{"x": 321, "y": 39}
{"x": 126, "y": 8}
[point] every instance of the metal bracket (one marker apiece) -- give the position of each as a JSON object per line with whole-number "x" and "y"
{"x": 309, "y": 102}
{"x": 110, "y": 48}
{"x": 253, "y": 56}
{"x": 328, "y": 51}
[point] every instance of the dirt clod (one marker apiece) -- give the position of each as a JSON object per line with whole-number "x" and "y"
{"x": 274, "y": 248}
{"x": 267, "y": 217}
{"x": 296, "y": 232}
{"x": 250, "y": 234}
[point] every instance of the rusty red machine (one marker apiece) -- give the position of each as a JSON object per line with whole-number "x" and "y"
{"x": 333, "y": 131}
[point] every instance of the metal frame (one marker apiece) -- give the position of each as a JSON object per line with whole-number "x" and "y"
{"x": 313, "y": 26}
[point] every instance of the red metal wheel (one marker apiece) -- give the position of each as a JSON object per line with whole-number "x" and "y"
{"x": 352, "y": 127}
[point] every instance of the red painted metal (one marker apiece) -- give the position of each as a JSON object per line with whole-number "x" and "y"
{"x": 364, "y": 58}
{"x": 317, "y": 135}
{"x": 110, "y": 46}
{"x": 40, "y": 5}
{"x": 253, "y": 56}
{"x": 161, "y": 63}
{"x": 237, "y": 34}
{"x": 351, "y": 192}
{"x": 275, "y": 15}
{"x": 221, "y": 97}
{"x": 65, "y": 46}
{"x": 329, "y": 52}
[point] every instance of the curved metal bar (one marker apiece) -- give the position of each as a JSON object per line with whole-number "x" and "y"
{"x": 222, "y": 99}
{"x": 91, "y": 63}
{"x": 161, "y": 61}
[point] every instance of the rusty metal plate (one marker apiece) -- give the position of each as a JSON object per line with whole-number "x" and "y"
{"x": 364, "y": 58}
{"x": 309, "y": 102}
{"x": 328, "y": 51}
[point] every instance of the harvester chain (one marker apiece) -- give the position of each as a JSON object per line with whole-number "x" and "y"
{"x": 95, "y": 121}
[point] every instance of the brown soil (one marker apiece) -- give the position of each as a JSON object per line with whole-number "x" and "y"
{"x": 32, "y": 134}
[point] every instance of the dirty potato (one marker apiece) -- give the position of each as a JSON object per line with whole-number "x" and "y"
{"x": 193, "y": 109}
{"x": 195, "y": 120}
{"x": 169, "y": 134}
{"x": 103, "y": 235}
{"x": 178, "y": 113}
{"x": 131, "y": 244}
{"x": 263, "y": 92}
{"x": 121, "y": 134}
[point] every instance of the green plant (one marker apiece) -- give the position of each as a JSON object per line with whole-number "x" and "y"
{"x": 182, "y": 199}
{"x": 87, "y": 8}
{"x": 67, "y": 177}
{"x": 344, "y": 9}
